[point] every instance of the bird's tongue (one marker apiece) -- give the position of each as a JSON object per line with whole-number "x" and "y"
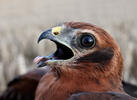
{"x": 40, "y": 58}
{"x": 40, "y": 61}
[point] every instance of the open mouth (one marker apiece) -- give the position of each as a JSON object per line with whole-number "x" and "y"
{"x": 62, "y": 53}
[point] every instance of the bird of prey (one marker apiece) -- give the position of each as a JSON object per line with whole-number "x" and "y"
{"x": 24, "y": 86}
{"x": 87, "y": 65}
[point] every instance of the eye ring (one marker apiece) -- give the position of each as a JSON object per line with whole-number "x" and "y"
{"x": 87, "y": 40}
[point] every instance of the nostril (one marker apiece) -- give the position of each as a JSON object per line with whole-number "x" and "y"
{"x": 56, "y": 33}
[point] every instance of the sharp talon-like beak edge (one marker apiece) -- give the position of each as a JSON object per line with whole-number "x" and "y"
{"x": 44, "y": 35}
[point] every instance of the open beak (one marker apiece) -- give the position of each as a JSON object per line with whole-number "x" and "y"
{"x": 63, "y": 52}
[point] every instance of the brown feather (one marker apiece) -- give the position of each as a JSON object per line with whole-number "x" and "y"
{"x": 24, "y": 86}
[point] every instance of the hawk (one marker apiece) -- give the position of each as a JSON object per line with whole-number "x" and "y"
{"x": 87, "y": 65}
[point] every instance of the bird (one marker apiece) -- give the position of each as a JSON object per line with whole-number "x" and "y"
{"x": 19, "y": 87}
{"x": 87, "y": 65}
{"x": 87, "y": 61}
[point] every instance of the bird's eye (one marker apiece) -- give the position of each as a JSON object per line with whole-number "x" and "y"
{"x": 87, "y": 40}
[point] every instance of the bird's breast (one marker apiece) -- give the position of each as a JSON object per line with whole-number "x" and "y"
{"x": 50, "y": 88}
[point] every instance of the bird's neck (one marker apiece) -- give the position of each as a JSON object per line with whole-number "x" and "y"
{"x": 51, "y": 88}
{"x": 54, "y": 87}
{"x": 84, "y": 81}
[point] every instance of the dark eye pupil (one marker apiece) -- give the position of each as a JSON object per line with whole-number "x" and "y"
{"x": 87, "y": 41}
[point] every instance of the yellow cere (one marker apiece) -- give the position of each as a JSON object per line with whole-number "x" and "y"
{"x": 56, "y": 30}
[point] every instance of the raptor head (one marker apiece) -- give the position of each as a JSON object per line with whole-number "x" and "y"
{"x": 85, "y": 48}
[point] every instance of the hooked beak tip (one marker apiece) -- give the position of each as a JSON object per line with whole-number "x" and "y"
{"x": 44, "y": 35}
{"x": 38, "y": 41}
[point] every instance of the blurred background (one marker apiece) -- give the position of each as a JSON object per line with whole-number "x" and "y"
{"x": 22, "y": 21}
